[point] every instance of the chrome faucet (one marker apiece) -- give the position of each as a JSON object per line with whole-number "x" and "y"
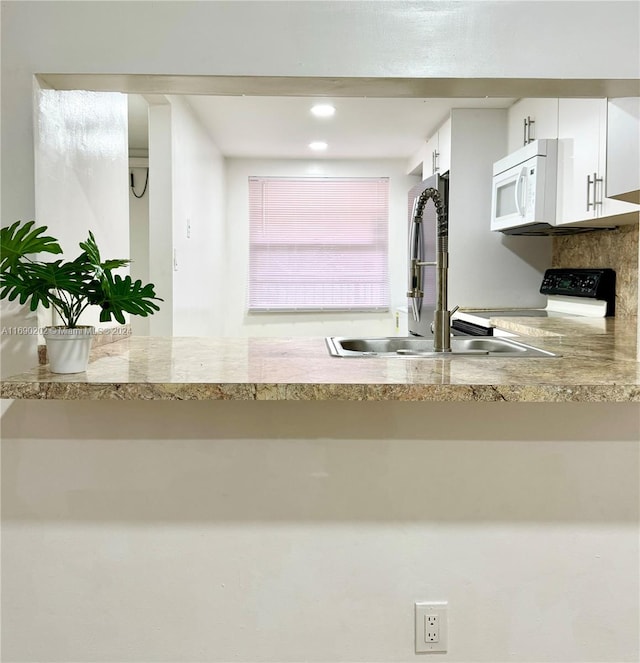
{"x": 442, "y": 316}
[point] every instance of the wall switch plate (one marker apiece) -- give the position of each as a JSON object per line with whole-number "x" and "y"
{"x": 431, "y": 627}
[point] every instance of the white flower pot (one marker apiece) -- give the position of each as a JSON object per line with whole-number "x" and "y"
{"x": 68, "y": 349}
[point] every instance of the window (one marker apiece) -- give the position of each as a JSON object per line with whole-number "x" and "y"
{"x": 318, "y": 244}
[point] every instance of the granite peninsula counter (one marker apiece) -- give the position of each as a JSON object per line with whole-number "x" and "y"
{"x": 597, "y": 364}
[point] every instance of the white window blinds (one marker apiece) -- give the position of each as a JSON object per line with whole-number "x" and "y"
{"x": 318, "y": 244}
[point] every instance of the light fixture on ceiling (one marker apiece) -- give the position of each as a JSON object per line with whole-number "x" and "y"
{"x": 323, "y": 110}
{"x": 318, "y": 145}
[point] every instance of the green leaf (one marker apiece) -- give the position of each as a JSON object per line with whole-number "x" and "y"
{"x": 126, "y": 296}
{"x": 108, "y": 265}
{"x": 43, "y": 282}
{"x": 91, "y": 249}
{"x": 16, "y": 286}
{"x": 91, "y": 256}
{"x": 21, "y": 239}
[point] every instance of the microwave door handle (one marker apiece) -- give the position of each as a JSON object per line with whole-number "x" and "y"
{"x": 519, "y": 181}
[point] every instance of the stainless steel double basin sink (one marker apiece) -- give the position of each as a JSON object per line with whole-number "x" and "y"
{"x": 392, "y": 346}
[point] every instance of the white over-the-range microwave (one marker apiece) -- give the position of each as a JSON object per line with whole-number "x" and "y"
{"x": 524, "y": 189}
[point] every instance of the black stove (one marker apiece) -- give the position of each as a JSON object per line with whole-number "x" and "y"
{"x": 570, "y": 292}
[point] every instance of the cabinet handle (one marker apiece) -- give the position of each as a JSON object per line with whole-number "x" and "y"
{"x": 434, "y": 159}
{"x": 595, "y": 181}
{"x": 524, "y": 131}
{"x": 527, "y": 137}
{"x": 590, "y": 181}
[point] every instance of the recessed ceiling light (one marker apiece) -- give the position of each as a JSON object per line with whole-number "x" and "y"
{"x": 323, "y": 110}
{"x": 318, "y": 145}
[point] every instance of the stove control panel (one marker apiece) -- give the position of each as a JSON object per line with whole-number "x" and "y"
{"x": 593, "y": 283}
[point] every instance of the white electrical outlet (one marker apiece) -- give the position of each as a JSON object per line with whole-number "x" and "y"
{"x": 431, "y": 627}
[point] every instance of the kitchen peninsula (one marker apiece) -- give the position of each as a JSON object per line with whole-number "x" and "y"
{"x": 593, "y": 364}
{"x": 184, "y": 477}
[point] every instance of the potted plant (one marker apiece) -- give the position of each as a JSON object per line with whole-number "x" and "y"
{"x": 69, "y": 287}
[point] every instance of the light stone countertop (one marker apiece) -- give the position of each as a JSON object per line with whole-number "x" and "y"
{"x": 598, "y": 364}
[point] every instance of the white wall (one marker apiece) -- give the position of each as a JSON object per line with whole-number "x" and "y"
{"x": 161, "y": 214}
{"x": 200, "y": 280}
{"x": 486, "y": 267}
{"x": 181, "y": 239}
{"x": 81, "y": 177}
{"x": 139, "y": 239}
{"x": 289, "y": 532}
{"x": 79, "y": 183}
{"x": 422, "y": 39}
{"x": 238, "y": 321}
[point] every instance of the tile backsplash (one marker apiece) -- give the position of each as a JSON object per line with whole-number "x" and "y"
{"x": 617, "y": 249}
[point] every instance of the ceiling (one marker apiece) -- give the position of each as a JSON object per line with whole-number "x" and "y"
{"x": 283, "y": 127}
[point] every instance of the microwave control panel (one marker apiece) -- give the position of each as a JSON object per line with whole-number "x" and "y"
{"x": 592, "y": 283}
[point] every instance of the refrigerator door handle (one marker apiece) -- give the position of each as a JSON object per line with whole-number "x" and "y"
{"x": 415, "y": 269}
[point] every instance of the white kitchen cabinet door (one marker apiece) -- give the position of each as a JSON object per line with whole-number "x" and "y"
{"x": 438, "y": 152}
{"x": 581, "y": 139}
{"x": 530, "y": 119}
{"x": 623, "y": 148}
{"x": 443, "y": 162}
{"x": 582, "y": 157}
{"x": 430, "y": 157}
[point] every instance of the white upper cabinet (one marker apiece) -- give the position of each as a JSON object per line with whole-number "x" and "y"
{"x": 581, "y": 135}
{"x": 582, "y": 152}
{"x": 623, "y": 149}
{"x": 438, "y": 152}
{"x": 530, "y": 119}
{"x": 430, "y": 156}
{"x": 443, "y": 162}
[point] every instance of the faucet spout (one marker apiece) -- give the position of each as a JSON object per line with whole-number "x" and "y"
{"x": 442, "y": 315}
